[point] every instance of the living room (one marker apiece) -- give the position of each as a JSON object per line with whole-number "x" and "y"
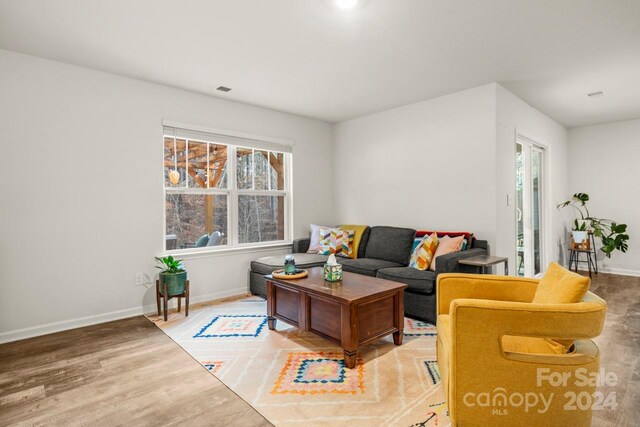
{"x": 480, "y": 118}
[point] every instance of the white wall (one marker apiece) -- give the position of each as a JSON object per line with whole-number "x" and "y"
{"x": 513, "y": 116}
{"x": 81, "y": 203}
{"x": 424, "y": 165}
{"x": 603, "y": 161}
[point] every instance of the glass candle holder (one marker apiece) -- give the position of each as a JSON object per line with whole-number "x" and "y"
{"x": 289, "y": 264}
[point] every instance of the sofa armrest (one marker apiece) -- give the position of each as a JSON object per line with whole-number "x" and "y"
{"x": 449, "y": 263}
{"x": 301, "y": 246}
{"x": 482, "y": 286}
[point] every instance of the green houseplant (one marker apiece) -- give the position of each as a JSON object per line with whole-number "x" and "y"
{"x": 612, "y": 234}
{"x": 172, "y": 274}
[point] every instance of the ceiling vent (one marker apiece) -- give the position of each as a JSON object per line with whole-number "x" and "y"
{"x": 597, "y": 94}
{"x": 223, "y": 89}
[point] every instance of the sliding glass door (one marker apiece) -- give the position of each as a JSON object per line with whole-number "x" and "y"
{"x": 530, "y": 205}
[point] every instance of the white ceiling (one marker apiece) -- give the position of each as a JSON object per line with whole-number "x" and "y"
{"x": 310, "y": 58}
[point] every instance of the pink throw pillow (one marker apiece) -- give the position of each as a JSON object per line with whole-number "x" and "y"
{"x": 446, "y": 245}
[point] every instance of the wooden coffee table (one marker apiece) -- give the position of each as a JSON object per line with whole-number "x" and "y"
{"x": 353, "y": 312}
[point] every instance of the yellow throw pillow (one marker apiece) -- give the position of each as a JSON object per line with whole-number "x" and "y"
{"x": 561, "y": 286}
{"x": 558, "y": 286}
{"x": 358, "y": 231}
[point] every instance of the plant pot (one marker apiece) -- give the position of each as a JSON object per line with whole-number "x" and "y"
{"x": 579, "y": 236}
{"x": 175, "y": 282}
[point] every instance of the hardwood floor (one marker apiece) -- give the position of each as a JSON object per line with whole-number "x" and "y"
{"x": 620, "y": 347}
{"x": 129, "y": 373}
{"x": 126, "y": 372}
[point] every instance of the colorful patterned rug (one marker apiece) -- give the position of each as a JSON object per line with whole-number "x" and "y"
{"x": 296, "y": 378}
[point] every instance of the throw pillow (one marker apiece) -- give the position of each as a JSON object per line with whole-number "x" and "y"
{"x": 336, "y": 241}
{"x": 422, "y": 255}
{"x": 202, "y": 241}
{"x": 561, "y": 286}
{"x": 446, "y": 245}
{"x": 314, "y": 244}
{"x": 358, "y": 231}
{"x": 557, "y": 286}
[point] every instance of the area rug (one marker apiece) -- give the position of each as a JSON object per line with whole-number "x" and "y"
{"x": 295, "y": 378}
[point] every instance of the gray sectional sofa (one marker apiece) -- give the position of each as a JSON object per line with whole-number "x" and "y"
{"x": 383, "y": 252}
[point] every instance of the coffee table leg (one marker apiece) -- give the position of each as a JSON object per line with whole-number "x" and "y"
{"x": 271, "y": 304}
{"x": 271, "y": 322}
{"x": 397, "y": 337}
{"x": 398, "y": 301}
{"x": 350, "y": 358}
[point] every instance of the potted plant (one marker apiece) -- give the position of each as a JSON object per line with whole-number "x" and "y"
{"x": 172, "y": 274}
{"x": 612, "y": 234}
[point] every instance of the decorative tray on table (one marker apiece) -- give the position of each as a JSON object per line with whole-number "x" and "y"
{"x": 298, "y": 274}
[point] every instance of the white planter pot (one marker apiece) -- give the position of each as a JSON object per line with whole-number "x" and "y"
{"x": 579, "y": 236}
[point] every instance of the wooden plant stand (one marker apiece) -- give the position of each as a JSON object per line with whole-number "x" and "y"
{"x": 161, "y": 292}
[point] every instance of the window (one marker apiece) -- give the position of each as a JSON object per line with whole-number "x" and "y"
{"x": 224, "y": 191}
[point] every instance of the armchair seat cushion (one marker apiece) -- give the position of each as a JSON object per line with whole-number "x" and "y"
{"x": 266, "y": 265}
{"x": 418, "y": 281}
{"x": 366, "y": 266}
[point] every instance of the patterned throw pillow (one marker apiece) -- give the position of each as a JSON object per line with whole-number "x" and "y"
{"x": 336, "y": 241}
{"x": 423, "y": 253}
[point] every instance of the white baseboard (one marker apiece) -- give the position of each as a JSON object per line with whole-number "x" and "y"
{"x": 64, "y": 325}
{"x": 619, "y": 271}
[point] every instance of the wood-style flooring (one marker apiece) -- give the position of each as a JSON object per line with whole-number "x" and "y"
{"x": 128, "y": 372}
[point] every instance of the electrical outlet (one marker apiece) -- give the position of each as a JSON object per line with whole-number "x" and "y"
{"x": 139, "y": 280}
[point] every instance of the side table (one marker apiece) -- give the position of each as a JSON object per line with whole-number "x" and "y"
{"x": 161, "y": 293}
{"x": 485, "y": 261}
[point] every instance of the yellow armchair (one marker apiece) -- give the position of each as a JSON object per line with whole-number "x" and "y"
{"x": 486, "y": 382}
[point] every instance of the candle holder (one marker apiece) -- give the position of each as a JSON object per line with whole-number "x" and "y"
{"x": 289, "y": 264}
{"x": 332, "y": 273}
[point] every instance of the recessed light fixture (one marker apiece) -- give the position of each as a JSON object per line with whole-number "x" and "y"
{"x": 346, "y": 4}
{"x": 223, "y": 89}
{"x": 597, "y": 94}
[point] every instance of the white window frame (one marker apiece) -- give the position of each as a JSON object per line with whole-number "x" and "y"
{"x": 215, "y": 136}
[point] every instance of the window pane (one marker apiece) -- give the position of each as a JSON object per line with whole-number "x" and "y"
{"x": 174, "y": 176}
{"x": 197, "y": 174}
{"x": 261, "y": 170}
{"x": 218, "y": 166}
{"x": 244, "y": 168}
{"x": 191, "y": 216}
{"x": 276, "y": 161}
{"x": 260, "y": 218}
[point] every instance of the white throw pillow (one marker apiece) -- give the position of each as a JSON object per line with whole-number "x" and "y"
{"x": 314, "y": 245}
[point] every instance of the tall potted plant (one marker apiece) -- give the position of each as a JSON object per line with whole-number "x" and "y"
{"x": 172, "y": 274}
{"x": 612, "y": 234}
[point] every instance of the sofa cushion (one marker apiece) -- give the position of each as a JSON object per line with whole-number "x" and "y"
{"x": 366, "y": 266}
{"x": 418, "y": 281}
{"x": 266, "y": 265}
{"x": 390, "y": 244}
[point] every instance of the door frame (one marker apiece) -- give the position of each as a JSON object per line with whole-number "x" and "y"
{"x": 545, "y": 213}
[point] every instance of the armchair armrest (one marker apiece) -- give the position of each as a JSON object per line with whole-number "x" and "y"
{"x": 449, "y": 263}
{"x": 301, "y": 246}
{"x": 482, "y": 286}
